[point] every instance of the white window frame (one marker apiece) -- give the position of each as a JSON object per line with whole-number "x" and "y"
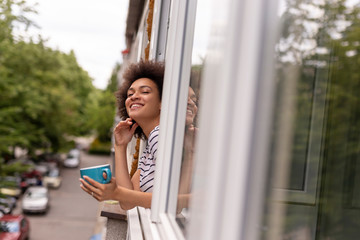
{"x": 233, "y": 150}
{"x": 182, "y": 105}
{"x": 174, "y": 99}
{"x": 175, "y": 89}
{"x": 159, "y": 29}
{"x": 245, "y": 52}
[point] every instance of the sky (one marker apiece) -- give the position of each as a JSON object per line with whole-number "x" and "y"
{"x": 94, "y": 30}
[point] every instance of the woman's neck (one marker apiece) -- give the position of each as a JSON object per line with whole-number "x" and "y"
{"x": 148, "y": 126}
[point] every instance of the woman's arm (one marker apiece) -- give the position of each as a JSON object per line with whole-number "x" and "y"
{"x": 136, "y": 180}
{"x": 129, "y": 199}
{"x": 122, "y": 175}
{"x": 123, "y": 134}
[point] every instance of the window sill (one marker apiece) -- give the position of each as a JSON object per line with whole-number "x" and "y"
{"x": 117, "y": 224}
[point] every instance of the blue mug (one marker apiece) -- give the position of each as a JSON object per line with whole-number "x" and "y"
{"x": 96, "y": 173}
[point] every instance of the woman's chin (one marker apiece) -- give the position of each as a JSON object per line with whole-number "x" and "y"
{"x": 133, "y": 116}
{"x": 133, "y": 119}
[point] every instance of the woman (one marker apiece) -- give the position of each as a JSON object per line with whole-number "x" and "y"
{"x": 139, "y": 103}
{"x": 184, "y": 192}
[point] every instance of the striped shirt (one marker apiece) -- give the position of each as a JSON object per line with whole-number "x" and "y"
{"x": 147, "y": 162}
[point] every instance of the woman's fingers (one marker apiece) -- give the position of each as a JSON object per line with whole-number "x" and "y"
{"x": 122, "y": 124}
{"x": 88, "y": 191}
{"x": 133, "y": 128}
{"x": 125, "y": 122}
{"x": 91, "y": 186}
{"x": 129, "y": 121}
{"x": 126, "y": 126}
{"x": 92, "y": 182}
{"x": 124, "y": 131}
{"x": 97, "y": 190}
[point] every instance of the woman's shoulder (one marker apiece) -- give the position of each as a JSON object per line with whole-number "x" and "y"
{"x": 156, "y": 129}
{"x": 153, "y": 136}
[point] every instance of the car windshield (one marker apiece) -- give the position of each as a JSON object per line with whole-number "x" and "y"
{"x": 54, "y": 173}
{"x": 9, "y": 226}
{"x": 36, "y": 194}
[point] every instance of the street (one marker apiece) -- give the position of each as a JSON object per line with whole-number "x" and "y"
{"x": 73, "y": 214}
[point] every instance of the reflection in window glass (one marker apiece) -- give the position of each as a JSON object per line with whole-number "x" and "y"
{"x": 202, "y": 28}
{"x": 189, "y": 148}
{"x": 314, "y": 175}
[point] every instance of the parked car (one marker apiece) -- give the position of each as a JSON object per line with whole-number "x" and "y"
{"x": 7, "y": 204}
{"x": 52, "y": 179}
{"x": 36, "y": 200}
{"x": 42, "y": 168}
{"x": 75, "y": 152}
{"x": 10, "y": 186}
{"x": 14, "y": 227}
{"x": 50, "y": 158}
{"x": 6, "y": 207}
{"x": 10, "y": 200}
{"x": 10, "y": 191}
{"x": 32, "y": 178}
{"x": 73, "y": 159}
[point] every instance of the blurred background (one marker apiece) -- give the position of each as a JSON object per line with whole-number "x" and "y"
{"x": 48, "y": 99}
{"x": 58, "y": 74}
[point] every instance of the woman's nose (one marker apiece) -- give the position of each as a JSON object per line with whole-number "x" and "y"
{"x": 190, "y": 102}
{"x": 134, "y": 96}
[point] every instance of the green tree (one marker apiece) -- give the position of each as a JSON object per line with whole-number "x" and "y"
{"x": 101, "y": 112}
{"x": 103, "y": 109}
{"x": 113, "y": 81}
{"x": 44, "y": 93}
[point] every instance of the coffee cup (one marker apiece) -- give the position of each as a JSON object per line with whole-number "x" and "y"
{"x": 96, "y": 173}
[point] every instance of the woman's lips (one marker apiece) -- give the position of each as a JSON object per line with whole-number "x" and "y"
{"x": 135, "y": 106}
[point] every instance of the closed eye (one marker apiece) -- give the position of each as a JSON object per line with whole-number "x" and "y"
{"x": 194, "y": 100}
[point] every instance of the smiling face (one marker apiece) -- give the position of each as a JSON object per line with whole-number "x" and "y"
{"x": 143, "y": 102}
{"x": 191, "y": 109}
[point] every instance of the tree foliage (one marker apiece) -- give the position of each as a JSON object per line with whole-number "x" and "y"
{"x": 44, "y": 94}
{"x": 104, "y": 109}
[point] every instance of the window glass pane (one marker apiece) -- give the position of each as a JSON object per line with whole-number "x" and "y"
{"x": 314, "y": 173}
{"x": 192, "y": 129}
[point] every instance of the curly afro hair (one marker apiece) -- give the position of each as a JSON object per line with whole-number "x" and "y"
{"x": 143, "y": 69}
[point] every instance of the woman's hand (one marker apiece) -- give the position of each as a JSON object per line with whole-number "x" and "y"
{"x": 100, "y": 192}
{"x": 124, "y": 131}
